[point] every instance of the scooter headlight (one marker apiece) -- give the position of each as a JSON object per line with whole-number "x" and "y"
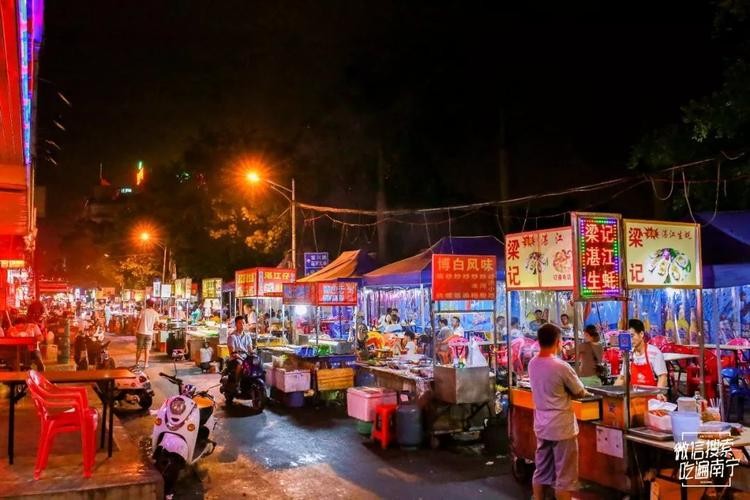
{"x": 177, "y": 406}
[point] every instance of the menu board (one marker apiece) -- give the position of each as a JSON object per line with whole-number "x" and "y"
{"x": 271, "y": 279}
{"x": 463, "y": 277}
{"x": 245, "y": 283}
{"x": 599, "y": 265}
{"x": 299, "y": 294}
{"x": 341, "y": 293}
{"x": 539, "y": 260}
{"x": 211, "y": 288}
{"x": 662, "y": 254}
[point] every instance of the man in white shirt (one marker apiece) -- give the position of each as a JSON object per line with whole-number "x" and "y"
{"x": 251, "y": 317}
{"x": 145, "y": 332}
{"x": 647, "y": 365}
{"x": 456, "y": 325}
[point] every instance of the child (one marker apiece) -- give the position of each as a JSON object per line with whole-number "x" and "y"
{"x": 206, "y": 353}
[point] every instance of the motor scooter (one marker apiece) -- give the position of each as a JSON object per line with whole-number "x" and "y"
{"x": 251, "y": 386}
{"x": 182, "y": 431}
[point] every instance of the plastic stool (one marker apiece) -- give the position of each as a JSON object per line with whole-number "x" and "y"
{"x": 384, "y": 427}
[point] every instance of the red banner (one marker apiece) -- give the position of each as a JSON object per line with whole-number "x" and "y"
{"x": 599, "y": 265}
{"x": 463, "y": 277}
{"x": 342, "y": 293}
{"x": 245, "y": 283}
{"x": 298, "y": 294}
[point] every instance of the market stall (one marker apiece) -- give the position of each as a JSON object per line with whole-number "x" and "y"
{"x": 406, "y": 284}
{"x": 212, "y": 305}
{"x": 262, "y": 288}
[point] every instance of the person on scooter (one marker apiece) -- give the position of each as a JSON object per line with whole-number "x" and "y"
{"x": 240, "y": 345}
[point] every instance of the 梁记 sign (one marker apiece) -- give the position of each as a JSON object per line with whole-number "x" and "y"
{"x": 662, "y": 254}
{"x": 463, "y": 277}
{"x": 245, "y": 283}
{"x": 539, "y": 260}
{"x": 598, "y": 248}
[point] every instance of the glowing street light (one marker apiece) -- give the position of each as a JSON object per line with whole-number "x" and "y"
{"x": 146, "y": 238}
{"x": 289, "y": 194}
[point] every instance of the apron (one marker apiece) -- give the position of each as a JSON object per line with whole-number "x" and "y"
{"x": 642, "y": 374}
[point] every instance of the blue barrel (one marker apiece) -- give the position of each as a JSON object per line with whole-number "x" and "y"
{"x": 409, "y": 430}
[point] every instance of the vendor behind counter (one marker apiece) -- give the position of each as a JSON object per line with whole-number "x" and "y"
{"x": 647, "y": 365}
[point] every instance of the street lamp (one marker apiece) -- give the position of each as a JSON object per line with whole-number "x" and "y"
{"x": 145, "y": 237}
{"x": 290, "y": 195}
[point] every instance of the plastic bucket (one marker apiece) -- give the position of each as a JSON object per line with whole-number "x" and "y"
{"x": 685, "y": 425}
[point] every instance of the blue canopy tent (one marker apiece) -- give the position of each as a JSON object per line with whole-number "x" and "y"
{"x": 725, "y": 239}
{"x": 406, "y": 283}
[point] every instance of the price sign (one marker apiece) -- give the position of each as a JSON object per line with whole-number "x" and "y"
{"x": 599, "y": 265}
{"x": 624, "y": 341}
{"x": 463, "y": 277}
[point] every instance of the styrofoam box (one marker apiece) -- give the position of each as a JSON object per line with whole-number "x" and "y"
{"x": 659, "y": 423}
{"x": 268, "y": 368}
{"x": 361, "y": 401}
{"x": 291, "y": 380}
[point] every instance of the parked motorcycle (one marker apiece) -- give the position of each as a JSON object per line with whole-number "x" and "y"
{"x": 135, "y": 391}
{"x": 89, "y": 348}
{"x": 182, "y": 431}
{"x": 252, "y": 385}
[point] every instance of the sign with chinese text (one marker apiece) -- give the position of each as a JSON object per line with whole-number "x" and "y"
{"x": 463, "y": 277}
{"x": 599, "y": 265}
{"x": 341, "y": 293}
{"x": 315, "y": 261}
{"x": 166, "y": 290}
{"x": 271, "y": 279}
{"x": 179, "y": 288}
{"x": 211, "y": 288}
{"x": 127, "y": 295}
{"x": 662, "y": 254}
{"x": 539, "y": 260}
{"x": 298, "y": 294}
{"x": 245, "y": 283}
{"x": 157, "y": 289}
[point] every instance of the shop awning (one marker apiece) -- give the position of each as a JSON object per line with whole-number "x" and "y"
{"x": 350, "y": 264}
{"x": 417, "y": 270}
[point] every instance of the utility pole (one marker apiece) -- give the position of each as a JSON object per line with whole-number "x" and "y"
{"x": 294, "y": 228}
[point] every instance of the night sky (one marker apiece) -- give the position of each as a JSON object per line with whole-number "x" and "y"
{"x": 577, "y": 88}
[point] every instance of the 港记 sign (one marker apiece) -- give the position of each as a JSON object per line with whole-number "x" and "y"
{"x": 662, "y": 254}
{"x": 463, "y": 277}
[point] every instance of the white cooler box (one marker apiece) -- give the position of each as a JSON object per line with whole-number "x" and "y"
{"x": 361, "y": 401}
{"x": 291, "y": 380}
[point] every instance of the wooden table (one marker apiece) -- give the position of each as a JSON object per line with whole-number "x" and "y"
{"x": 21, "y": 344}
{"x": 16, "y": 381}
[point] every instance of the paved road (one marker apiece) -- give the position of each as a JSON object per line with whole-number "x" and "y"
{"x": 312, "y": 453}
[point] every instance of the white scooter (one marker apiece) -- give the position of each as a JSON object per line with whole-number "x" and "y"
{"x": 182, "y": 431}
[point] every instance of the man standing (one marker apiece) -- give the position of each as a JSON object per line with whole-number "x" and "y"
{"x": 647, "y": 365}
{"x": 458, "y": 330}
{"x": 145, "y": 332}
{"x": 107, "y": 315}
{"x": 553, "y": 385}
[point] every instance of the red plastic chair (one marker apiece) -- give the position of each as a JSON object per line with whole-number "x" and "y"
{"x": 62, "y": 410}
{"x": 384, "y": 427}
{"x": 613, "y": 356}
{"x": 659, "y": 341}
{"x": 709, "y": 373}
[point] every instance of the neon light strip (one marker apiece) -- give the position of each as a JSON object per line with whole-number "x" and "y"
{"x": 23, "y": 34}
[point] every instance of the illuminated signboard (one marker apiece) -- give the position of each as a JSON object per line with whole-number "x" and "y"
{"x": 166, "y": 291}
{"x": 463, "y": 277}
{"x": 211, "y": 288}
{"x": 599, "y": 268}
{"x": 539, "y": 260}
{"x": 662, "y": 254}
{"x": 245, "y": 283}
{"x": 140, "y": 174}
{"x": 341, "y": 293}
{"x": 179, "y": 288}
{"x": 157, "y": 289}
{"x": 298, "y": 294}
{"x": 271, "y": 279}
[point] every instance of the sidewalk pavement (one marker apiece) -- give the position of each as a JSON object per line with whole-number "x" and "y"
{"x": 125, "y": 475}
